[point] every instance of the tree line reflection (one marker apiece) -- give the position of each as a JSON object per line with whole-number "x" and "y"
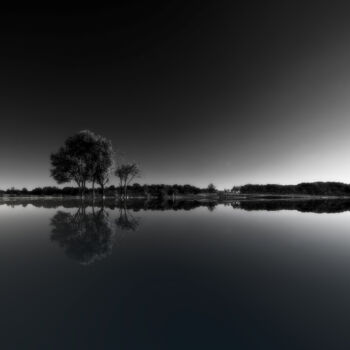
{"x": 303, "y": 205}
{"x": 134, "y": 205}
{"x": 88, "y": 233}
{"x": 320, "y": 206}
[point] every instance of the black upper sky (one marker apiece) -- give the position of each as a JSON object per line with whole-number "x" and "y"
{"x": 196, "y": 92}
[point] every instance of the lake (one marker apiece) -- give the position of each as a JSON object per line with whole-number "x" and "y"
{"x": 183, "y": 275}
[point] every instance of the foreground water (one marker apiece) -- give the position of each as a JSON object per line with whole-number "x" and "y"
{"x": 251, "y": 275}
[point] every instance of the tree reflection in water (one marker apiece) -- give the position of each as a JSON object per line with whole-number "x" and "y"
{"x": 126, "y": 221}
{"x": 85, "y": 237}
{"x": 89, "y": 236}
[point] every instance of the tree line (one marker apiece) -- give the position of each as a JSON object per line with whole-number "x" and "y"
{"x": 305, "y": 188}
{"x": 87, "y": 158}
{"x": 134, "y": 190}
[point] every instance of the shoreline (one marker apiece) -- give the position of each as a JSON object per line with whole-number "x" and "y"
{"x": 212, "y": 197}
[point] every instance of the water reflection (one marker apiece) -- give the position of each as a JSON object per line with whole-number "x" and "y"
{"x": 228, "y": 279}
{"x": 89, "y": 234}
{"x": 127, "y": 221}
{"x": 85, "y": 237}
{"x": 134, "y": 204}
{"x": 305, "y": 206}
{"x": 156, "y": 204}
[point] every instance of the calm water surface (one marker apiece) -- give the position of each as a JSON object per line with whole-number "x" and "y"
{"x": 257, "y": 275}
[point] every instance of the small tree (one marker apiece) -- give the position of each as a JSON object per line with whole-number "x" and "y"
{"x": 126, "y": 174}
{"x": 211, "y": 188}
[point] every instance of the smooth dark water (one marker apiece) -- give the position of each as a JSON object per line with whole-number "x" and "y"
{"x": 251, "y": 275}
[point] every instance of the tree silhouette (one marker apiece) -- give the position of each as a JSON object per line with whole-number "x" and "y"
{"x": 103, "y": 162}
{"x": 211, "y": 188}
{"x": 84, "y": 157}
{"x": 127, "y": 173}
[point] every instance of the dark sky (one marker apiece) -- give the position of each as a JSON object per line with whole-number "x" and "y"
{"x": 196, "y": 92}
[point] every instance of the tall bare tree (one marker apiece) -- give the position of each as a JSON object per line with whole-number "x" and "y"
{"x": 126, "y": 174}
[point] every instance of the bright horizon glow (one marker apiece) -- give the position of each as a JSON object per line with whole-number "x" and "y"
{"x": 218, "y": 103}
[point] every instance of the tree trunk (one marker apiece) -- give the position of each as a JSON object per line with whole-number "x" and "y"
{"x": 121, "y": 189}
{"x": 83, "y": 190}
{"x": 125, "y": 191}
